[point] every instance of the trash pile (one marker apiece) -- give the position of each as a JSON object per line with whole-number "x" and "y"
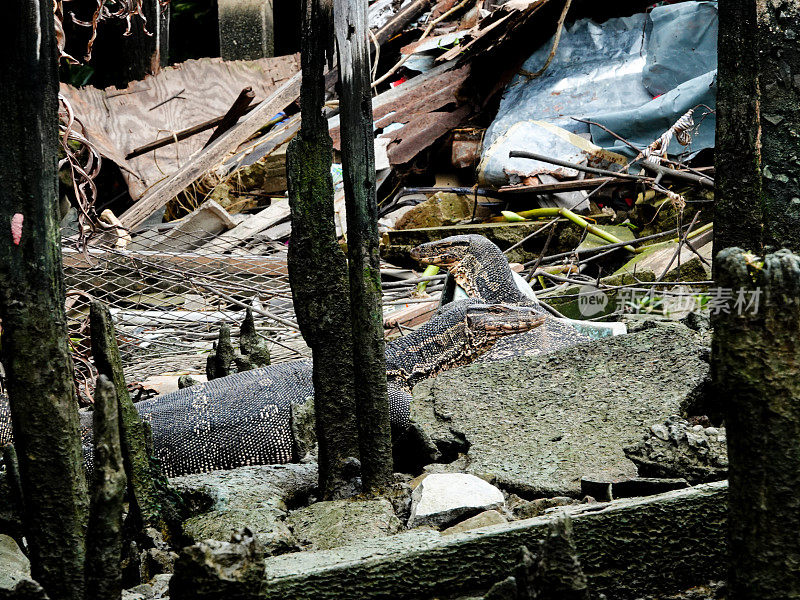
{"x": 577, "y": 138}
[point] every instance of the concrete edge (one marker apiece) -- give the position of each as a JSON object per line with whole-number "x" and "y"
{"x": 630, "y": 547}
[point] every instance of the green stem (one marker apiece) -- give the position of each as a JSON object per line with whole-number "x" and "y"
{"x": 578, "y": 220}
{"x": 430, "y": 271}
{"x": 696, "y": 232}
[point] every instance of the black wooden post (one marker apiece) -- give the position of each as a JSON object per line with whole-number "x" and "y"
{"x": 104, "y": 534}
{"x": 148, "y": 503}
{"x": 317, "y": 266}
{"x": 757, "y": 203}
{"x": 358, "y": 162}
{"x": 119, "y": 59}
{"x": 755, "y": 359}
{"x": 35, "y": 353}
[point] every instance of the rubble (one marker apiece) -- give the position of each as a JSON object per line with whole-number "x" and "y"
{"x": 439, "y": 210}
{"x": 198, "y": 228}
{"x": 208, "y": 88}
{"x": 517, "y": 439}
{"x": 443, "y": 498}
{"x": 254, "y": 497}
{"x": 654, "y": 546}
{"x": 326, "y": 525}
{"x": 484, "y": 519}
{"x": 675, "y": 448}
{"x": 610, "y": 75}
{"x": 14, "y": 565}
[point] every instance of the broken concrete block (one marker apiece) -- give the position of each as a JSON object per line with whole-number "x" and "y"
{"x": 14, "y": 565}
{"x": 228, "y": 197}
{"x": 157, "y": 588}
{"x": 598, "y": 487}
{"x": 538, "y": 424}
{"x": 647, "y": 486}
{"x": 246, "y": 29}
{"x": 678, "y": 449}
{"x": 443, "y": 208}
{"x": 272, "y": 533}
{"x": 658, "y": 258}
{"x": 332, "y": 524}
{"x": 253, "y": 497}
{"x": 484, "y": 519}
{"x": 629, "y": 549}
{"x": 525, "y": 509}
{"x": 443, "y": 498}
{"x": 552, "y": 572}
{"x": 604, "y": 489}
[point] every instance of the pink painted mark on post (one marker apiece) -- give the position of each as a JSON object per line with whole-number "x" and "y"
{"x": 16, "y": 228}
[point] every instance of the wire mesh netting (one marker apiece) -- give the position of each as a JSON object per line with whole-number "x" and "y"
{"x": 170, "y": 290}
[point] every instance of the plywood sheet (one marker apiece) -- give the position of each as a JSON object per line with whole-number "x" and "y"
{"x": 117, "y": 121}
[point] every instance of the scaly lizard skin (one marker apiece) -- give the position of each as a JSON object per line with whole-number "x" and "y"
{"x": 482, "y": 271}
{"x": 243, "y": 419}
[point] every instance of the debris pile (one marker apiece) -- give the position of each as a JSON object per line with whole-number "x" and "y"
{"x": 584, "y": 161}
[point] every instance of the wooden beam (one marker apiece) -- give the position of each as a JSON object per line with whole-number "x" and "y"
{"x": 239, "y": 107}
{"x": 195, "y": 129}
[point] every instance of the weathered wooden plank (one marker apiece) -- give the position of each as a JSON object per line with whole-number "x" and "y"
{"x": 272, "y": 215}
{"x": 213, "y": 154}
{"x": 190, "y": 263}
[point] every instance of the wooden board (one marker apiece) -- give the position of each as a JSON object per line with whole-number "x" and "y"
{"x": 268, "y": 217}
{"x": 417, "y": 104}
{"x": 218, "y": 264}
{"x": 117, "y": 121}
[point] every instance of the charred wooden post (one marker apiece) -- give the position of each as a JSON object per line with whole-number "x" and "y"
{"x": 104, "y": 534}
{"x": 253, "y": 351}
{"x": 317, "y": 266}
{"x": 35, "y": 352}
{"x": 144, "y": 495}
{"x": 358, "y": 161}
{"x": 119, "y": 59}
{"x": 14, "y": 480}
{"x": 755, "y": 358}
{"x": 757, "y": 116}
{"x": 218, "y": 363}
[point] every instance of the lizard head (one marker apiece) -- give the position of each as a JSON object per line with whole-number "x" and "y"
{"x": 497, "y": 320}
{"x": 443, "y": 253}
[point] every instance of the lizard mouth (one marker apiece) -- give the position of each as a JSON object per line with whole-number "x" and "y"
{"x": 501, "y": 319}
{"x": 504, "y": 328}
{"x": 441, "y": 255}
{"x": 441, "y": 260}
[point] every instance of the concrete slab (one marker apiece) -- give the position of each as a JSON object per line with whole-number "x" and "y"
{"x": 536, "y": 425}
